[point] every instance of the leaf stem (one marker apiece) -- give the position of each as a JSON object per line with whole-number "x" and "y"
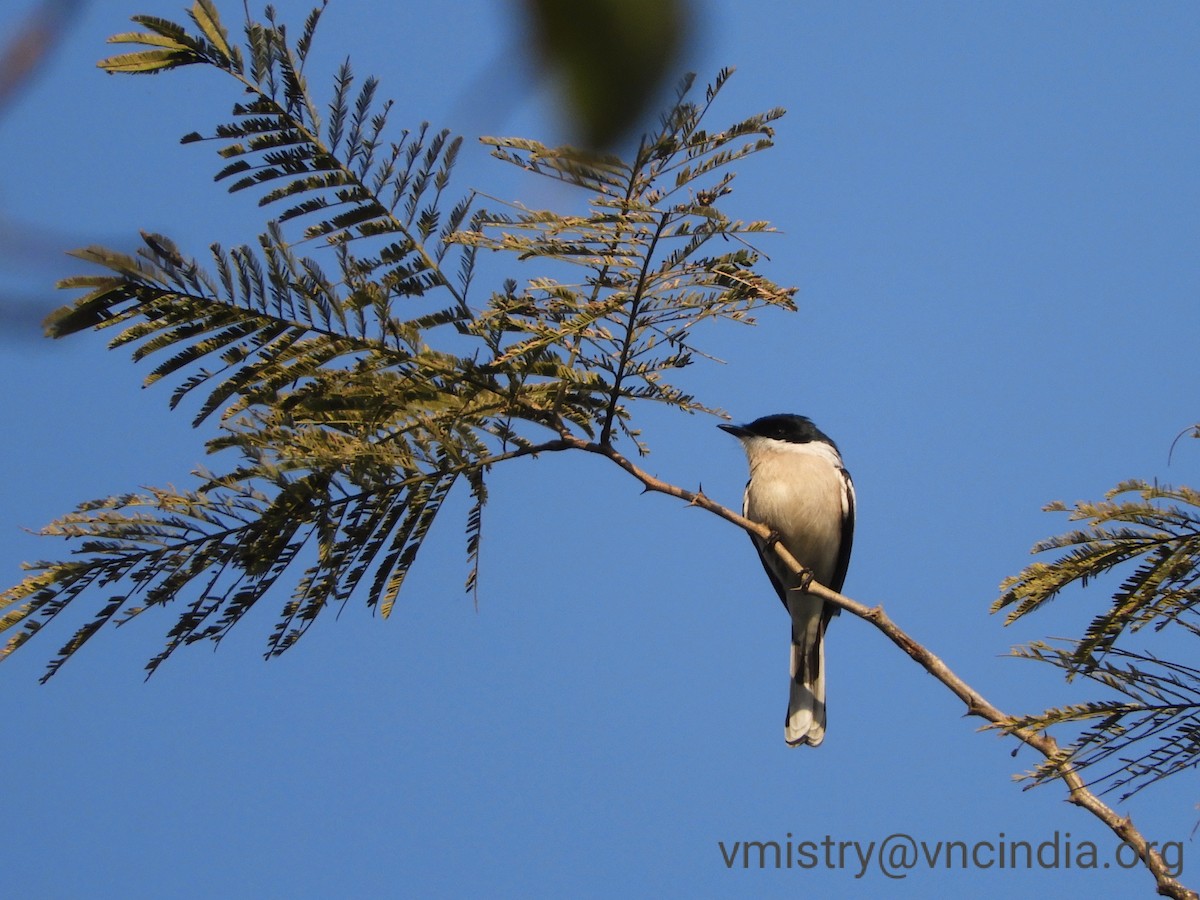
{"x": 635, "y": 308}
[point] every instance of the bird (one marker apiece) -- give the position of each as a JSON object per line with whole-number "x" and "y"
{"x": 800, "y": 489}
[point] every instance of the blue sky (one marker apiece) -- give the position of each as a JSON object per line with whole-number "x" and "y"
{"x": 991, "y": 211}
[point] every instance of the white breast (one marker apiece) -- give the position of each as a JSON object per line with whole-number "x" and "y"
{"x": 799, "y": 491}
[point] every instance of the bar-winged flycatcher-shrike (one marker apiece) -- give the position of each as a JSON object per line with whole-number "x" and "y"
{"x": 800, "y": 489}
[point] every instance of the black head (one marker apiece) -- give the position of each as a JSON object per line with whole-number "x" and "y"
{"x": 781, "y": 427}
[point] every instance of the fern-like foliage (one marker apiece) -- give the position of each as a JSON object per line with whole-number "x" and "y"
{"x": 1154, "y": 539}
{"x": 351, "y": 378}
{"x": 1161, "y": 540}
{"x": 1131, "y": 743}
{"x": 647, "y": 273}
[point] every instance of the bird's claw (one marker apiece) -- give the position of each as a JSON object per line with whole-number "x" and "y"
{"x": 806, "y": 574}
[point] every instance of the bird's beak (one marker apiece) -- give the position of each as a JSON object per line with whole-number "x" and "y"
{"x": 736, "y": 430}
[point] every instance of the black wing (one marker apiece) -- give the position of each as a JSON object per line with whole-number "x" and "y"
{"x": 762, "y": 552}
{"x": 762, "y": 558}
{"x": 847, "y": 543}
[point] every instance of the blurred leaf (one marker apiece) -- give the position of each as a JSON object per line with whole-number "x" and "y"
{"x": 611, "y": 58}
{"x": 30, "y": 43}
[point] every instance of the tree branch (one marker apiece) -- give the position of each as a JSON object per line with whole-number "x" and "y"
{"x": 1077, "y": 791}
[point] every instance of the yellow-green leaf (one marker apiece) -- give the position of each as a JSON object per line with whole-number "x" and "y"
{"x": 205, "y": 15}
{"x": 147, "y": 38}
{"x": 149, "y": 61}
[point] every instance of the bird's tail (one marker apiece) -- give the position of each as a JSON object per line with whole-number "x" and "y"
{"x": 805, "y": 723}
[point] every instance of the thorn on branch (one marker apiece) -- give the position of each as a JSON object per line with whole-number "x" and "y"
{"x": 974, "y": 709}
